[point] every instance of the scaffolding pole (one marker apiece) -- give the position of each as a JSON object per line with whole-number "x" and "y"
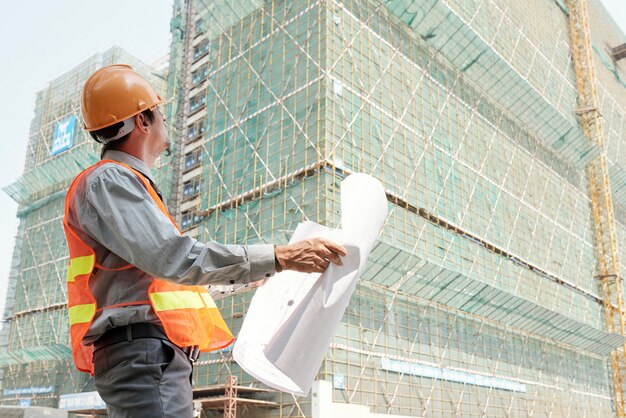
{"x": 600, "y": 193}
{"x": 230, "y": 404}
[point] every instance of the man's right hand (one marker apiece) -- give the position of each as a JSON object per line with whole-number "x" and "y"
{"x": 309, "y": 256}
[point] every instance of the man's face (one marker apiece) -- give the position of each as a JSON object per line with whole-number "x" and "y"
{"x": 159, "y": 138}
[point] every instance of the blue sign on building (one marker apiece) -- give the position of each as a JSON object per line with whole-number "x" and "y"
{"x": 452, "y": 375}
{"x": 84, "y": 400}
{"x": 63, "y": 135}
{"x": 28, "y": 391}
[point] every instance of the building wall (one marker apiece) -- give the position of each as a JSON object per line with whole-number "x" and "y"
{"x": 465, "y": 112}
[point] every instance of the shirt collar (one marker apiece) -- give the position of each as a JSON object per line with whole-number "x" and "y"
{"x": 129, "y": 160}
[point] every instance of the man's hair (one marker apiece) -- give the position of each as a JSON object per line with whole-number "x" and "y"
{"x": 111, "y": 131}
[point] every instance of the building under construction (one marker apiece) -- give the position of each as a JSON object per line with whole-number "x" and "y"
{"x": 495, "y": 127}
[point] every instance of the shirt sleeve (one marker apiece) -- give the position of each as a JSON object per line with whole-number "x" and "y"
{"x": 121, "y": 215}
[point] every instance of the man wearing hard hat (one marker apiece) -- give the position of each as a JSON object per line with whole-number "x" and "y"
{"x": 138, "y": 311}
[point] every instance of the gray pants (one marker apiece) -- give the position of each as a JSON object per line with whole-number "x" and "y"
{"x": 145, "y": 377}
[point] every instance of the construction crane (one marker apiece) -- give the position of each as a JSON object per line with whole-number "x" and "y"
{"x": 609, "y": 272}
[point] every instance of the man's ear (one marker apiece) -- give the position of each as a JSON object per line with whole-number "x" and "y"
{"x": 141, "y": 123}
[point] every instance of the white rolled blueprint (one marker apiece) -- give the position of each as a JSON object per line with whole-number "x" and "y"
{"x": 291, "y": 320}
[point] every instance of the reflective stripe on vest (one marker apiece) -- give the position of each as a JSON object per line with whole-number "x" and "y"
{"x": 81, "y": 313}
{"x": 208, "y": 301}
{"x": 80, "y": 265}
{"x": 179, "y": 299}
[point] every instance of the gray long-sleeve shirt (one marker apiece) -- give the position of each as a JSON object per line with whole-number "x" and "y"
{"x": 113, "y": 213}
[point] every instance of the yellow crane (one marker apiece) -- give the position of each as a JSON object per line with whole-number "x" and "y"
{"x": 607, "y": 252}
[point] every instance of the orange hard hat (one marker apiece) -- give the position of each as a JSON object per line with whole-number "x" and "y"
{"x": 113, "y": 94}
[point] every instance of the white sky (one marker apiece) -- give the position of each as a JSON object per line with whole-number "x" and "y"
{"x": 40, "y": 40}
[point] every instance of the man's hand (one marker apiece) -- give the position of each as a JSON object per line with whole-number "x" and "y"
{"x": 309, "y": 256}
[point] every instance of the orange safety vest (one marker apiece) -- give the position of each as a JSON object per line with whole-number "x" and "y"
{"x": 188, "y": 313}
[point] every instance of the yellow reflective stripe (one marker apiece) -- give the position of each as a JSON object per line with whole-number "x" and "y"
{"x": 82, "y": 313}
{"x": 208, "y": 300}
{"x": 179, "y": 299}
{"x": 80, "y": 265}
